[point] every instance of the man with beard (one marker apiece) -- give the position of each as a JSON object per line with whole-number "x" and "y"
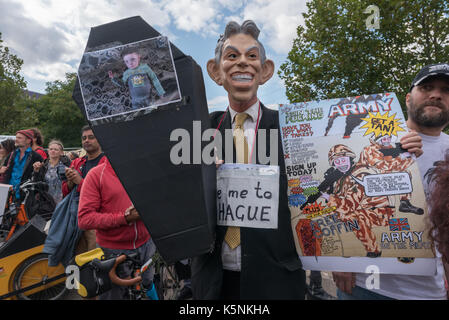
{"x": 428, "y": 111}
{"x": 20, "y": 168}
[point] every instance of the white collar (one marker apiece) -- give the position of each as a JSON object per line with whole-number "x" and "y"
{"x": 252, "y": 111}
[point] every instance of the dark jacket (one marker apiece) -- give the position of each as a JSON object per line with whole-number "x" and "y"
{"x": 271, "y": 268}
{"x": 27, "y": 169}
{"x": 40, "y": 175}
{"x": 64, "y": 233}
{"x": 5, "y": 163}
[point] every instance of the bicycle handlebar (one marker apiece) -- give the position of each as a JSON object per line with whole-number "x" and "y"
{"x": 119, "y": 281}
{"x": 30, "y": 183}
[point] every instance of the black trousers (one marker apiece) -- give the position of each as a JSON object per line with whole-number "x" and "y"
{"x": 315, "y": 278}
{"x": 230, "y": 290}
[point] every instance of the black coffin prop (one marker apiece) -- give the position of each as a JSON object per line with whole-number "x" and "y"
{"x": 176, "y": 202}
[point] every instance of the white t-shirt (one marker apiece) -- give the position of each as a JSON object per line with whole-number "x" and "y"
{"x": 409, "y": 287}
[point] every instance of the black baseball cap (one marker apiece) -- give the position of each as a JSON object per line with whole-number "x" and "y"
{"x": 430, "y": 71}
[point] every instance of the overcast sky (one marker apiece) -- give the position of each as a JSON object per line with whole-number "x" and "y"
{"x": 50, "y": 35}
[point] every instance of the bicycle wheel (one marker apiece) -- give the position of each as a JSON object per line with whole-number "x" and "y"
{"x": 34, "y": 270}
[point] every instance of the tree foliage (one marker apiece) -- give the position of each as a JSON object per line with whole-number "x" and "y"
{"x": 55, "y": 114}
{"x": 58, "y": 114}
{"x": 336, "y": 55}
{"x": 15, "y": 111}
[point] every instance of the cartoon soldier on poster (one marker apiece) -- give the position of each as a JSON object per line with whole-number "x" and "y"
{"x": 385, "y": 157}
{"x": 341, "y": 190}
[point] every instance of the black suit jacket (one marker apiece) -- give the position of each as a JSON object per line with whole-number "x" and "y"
{"x": 271, "y": 268}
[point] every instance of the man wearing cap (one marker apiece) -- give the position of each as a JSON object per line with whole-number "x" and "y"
{"x": 428, "y": 114}
{"x": 21, "y": 166}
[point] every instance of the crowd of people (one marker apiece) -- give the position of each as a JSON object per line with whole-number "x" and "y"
{"x": 107, "y": 218}
{"x": 24, "y": 158}
{"x": 245, "y": 263}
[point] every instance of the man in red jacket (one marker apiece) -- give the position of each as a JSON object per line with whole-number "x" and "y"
{"x": 105, "y": 206}
{"x": 75, "y": 177}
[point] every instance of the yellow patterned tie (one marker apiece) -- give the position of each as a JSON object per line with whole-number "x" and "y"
{"x": 232, "y": 236}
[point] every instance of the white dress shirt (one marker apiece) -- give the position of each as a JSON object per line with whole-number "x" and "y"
{"x": 232, "y": 259}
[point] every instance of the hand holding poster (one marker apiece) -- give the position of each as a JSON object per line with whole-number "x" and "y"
{"x": 353, "y": 191}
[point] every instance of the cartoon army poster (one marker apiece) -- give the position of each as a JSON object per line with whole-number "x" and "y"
{"x": 352, "y": 190}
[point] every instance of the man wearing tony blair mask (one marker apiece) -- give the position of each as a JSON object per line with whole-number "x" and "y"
{"x": 261, "y": 263}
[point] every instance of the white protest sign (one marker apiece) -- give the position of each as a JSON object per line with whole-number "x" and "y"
{"x": 386, "y": 184}
{"x": 2, "y": 137}
{"x": 248, "y": 196}
{"x": 4, "y": 188}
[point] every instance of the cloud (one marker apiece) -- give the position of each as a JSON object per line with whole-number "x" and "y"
{"x": 55, "y": 71}
{"x": 194, "y": 15}
{"x": 50, "y": 35}
{"x": 36, "y": 44}
{"x": 232, "y": 5}
{"x": 218, "y": 102}
{"x": 103, "y": 11}
{"x": 278, "y": 20}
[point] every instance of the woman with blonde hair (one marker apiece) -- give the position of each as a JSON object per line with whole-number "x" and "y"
{"x": 52, "y": 169}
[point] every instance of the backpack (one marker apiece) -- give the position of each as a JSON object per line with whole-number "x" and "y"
{"x": 40, "y": 202}
{"x": 93, "y": 273}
